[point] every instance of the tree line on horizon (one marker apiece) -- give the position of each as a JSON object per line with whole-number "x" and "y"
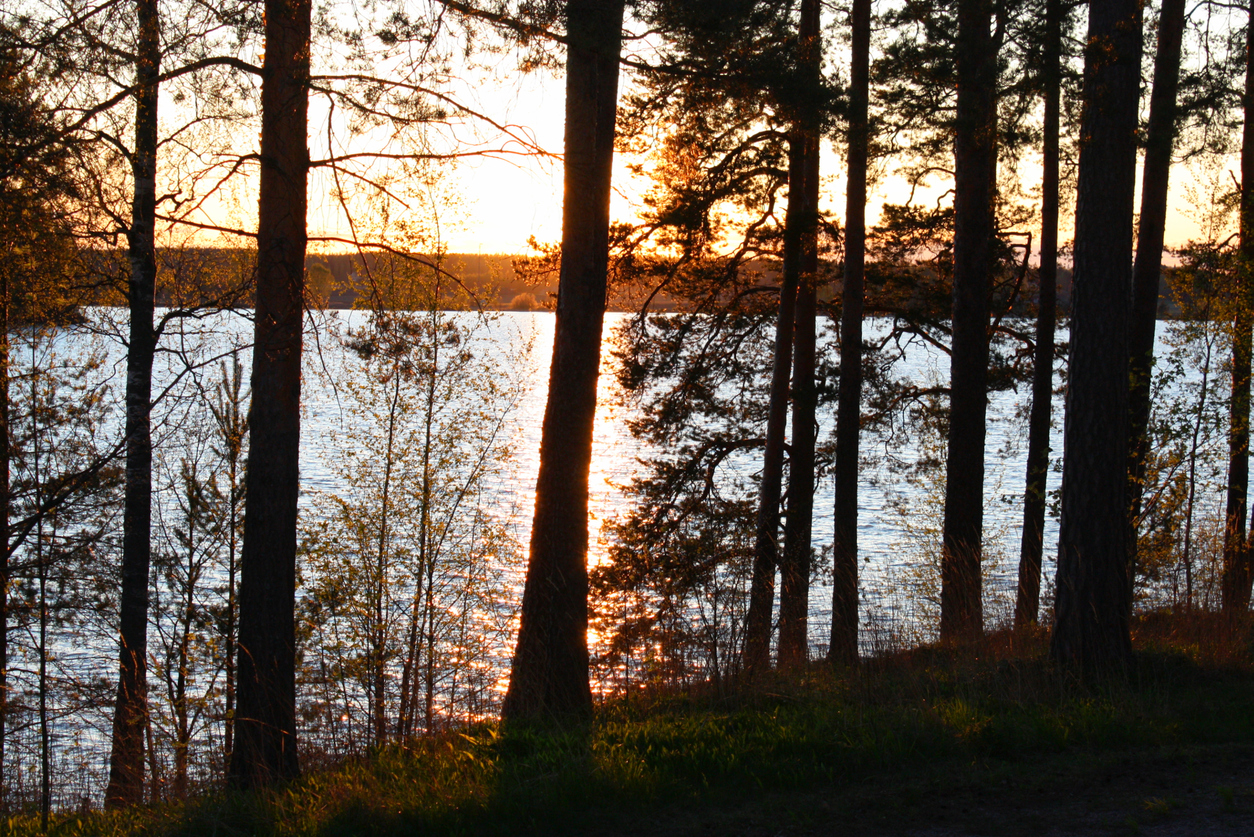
{"x": 728, "y": 107}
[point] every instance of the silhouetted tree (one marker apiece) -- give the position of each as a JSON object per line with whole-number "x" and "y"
{"x": 1028, "y": 598}
{"x": 801, "y": 273}
{"x": 844, "y": 638}
{"x": 1237, "y": 567}
{"x": 1147, "y": 269}
{"x": 265, "y": 723}
{"x": 1093, "y": 604}
{"x": 126, "y": 759}
{"x": 975, "y": 169}
{"x": 549, "y": 675}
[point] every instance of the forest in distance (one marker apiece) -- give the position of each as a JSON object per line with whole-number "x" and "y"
{"x": 521, "y": 283}
{"x": 188, "y": 607}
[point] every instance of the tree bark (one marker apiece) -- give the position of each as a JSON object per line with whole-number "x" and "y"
{"x": 265, "y": 725}
{"x": 757, "y": 647}
{"x": 844, "y": 640}
{"x": 974, "y": 184}
{"x": 1237, "y": 570}
{"x": 232, "y": 428}
{"x": 45, "y": 733}
{"x": 126, "y": 761}
{"x": 794, "y": 593}
{"x": 549, "y": 676}
{"x": 1028, "y": 600}
{"x": 6, "y": 509}
{"x": 1149, "y": 258}
{"x": 1093, "y": 608}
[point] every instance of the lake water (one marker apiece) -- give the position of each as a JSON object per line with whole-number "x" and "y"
{"x": 898, "y": 519}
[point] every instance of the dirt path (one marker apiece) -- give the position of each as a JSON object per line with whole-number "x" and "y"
{"x": 1174, "y": 792}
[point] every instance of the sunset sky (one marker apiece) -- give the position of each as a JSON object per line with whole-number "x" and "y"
{"x": 495, "y": 204}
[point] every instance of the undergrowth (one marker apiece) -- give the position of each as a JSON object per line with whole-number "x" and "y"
{"x": 996, "y": 702}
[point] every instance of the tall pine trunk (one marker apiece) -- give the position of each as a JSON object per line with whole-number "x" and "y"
{"x": 1237, "y": 572}
{"x": 1149, "y": 258}
{"x": 549, "y": 676}
{"x": 126, "y": 760}
{"x": 794, "y": 592}
{"x": 265, "y": 723}
{"x": 844, "y": 640}
{"x": 1093, "y": 605}
{"x": 974, "y": 184}
{"x": 1028, "y": 599}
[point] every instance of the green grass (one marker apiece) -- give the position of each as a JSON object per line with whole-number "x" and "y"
{"x": 929, "y": 718}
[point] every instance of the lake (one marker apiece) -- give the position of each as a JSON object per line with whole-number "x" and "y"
{"x": 899, "y": 518}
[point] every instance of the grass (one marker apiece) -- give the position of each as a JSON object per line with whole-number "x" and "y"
{"x": 887, "y": 736}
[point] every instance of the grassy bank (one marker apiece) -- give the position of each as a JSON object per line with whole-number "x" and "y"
{"x": 880, "y": 744}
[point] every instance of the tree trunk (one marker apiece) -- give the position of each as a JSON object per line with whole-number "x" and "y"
{"x": 757, "y": 648}
{"x": 549, "y": 676}
{"x": 228, "y": 650}
{"x": 794, "y": 593}
{"x": 1237, "y": 574}
{"x": 1149, "y": 259}
{"x": 1028, "y": 600}
{"x": 844, "y": 641}
{"x": 974, "y": 184}
{"x": 126, "y": 762}
{"x": 265, "y": 724}
{"x": 794, "y": 589}
{"x": 427, "y": 554}
{"x": 1093, "y": 608}
{"x": 6, "y": 508}
{"x": 183, "y": 736}
{"x": 758, "y": 620}
{"x": 45, "y": 734}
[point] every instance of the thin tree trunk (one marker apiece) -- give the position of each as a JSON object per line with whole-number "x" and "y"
{"x": 232, "y": 428}
{"x": 429, "y": 668}
{"x": 974, "y": 185}
{"x": 265, "y": 725}
{"x": 157, "y": 780}
{"x": 1237, "y": 570}
{"x": 182, "y": 725}
{"x": 794, "y": 592}
{"x": 228, "y": 734}
{"x": 5, "y": 511}
{"x": 126, "y": 762}
{"x": 1028, "y": 600}
{"x": 185, "y": 712}
{"x": 1199, "y": 417}
{"x": 1093, "y": 605}
{"x": 409, "y": 672}
{"x": 381, "y": 560}
{"x": 549, "y": 676}
{"x": 794, "y": 589}
{"x": 844, "y": 641}
{"x": 758, "y": 620}
{"x": 762, "y": 586}
{"x": 45, "y": 733}
{"x": 41, "y": 569}
{"x": 1149, "y": 258}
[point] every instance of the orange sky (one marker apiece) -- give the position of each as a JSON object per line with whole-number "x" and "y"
{"x": 496, "y": 205}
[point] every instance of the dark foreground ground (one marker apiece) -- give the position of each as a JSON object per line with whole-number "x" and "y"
{"x": 987, "y": 739}
{"x": 1195, "y": 791}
